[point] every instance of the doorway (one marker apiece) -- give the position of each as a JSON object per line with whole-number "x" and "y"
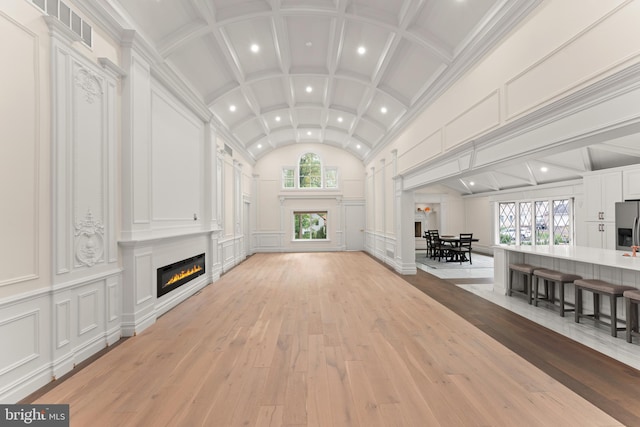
{"x": 354, "y": 227}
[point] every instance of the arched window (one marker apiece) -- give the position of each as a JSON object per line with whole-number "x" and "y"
{"x": 310, "y": 171}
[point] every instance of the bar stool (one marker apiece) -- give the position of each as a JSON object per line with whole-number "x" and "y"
{"x": 527, "y": 271}
{"x": 600, "y": 287}
{"x": 632, "y": 299}
{"x": 551, "y": 278}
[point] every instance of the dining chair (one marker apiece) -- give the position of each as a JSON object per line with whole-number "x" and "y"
{"x": 428, "y": 239}
{"x": 464, "y": 248}
{"x": 439, "y": 250}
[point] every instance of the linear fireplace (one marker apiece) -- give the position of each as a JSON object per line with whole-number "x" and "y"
{"x": 174, "y": 275}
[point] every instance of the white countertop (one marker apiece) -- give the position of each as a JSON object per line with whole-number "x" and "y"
{"x": 604, "y": 257}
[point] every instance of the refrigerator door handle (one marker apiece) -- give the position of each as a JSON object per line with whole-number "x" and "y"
{"x": 635, "y": 231}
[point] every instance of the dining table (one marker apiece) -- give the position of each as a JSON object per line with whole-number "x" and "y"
{"x": 454, "y": 241}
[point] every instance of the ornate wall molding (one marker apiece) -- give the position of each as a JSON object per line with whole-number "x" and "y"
{"x": 89, "y": 82}
{"x": 89, "y": 240}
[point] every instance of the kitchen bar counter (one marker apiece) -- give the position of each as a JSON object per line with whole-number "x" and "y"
{"x": 590, "y": 263}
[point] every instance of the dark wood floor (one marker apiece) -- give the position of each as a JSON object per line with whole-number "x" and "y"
{"x": 610, "y": 385}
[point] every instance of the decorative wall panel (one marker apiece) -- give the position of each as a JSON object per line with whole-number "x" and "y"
{"x": 423, "y": 151}
{"x": 577, "y": 62}
{"x": 19, "y": 153}
{"x": 144, "y": 283}
{"x": 63, "y": 323}
{"x": 176, "y": 161}
{"x": 23, "y": 332}
{"x": 482, "y": 117}
{"x": 88, "y": 311}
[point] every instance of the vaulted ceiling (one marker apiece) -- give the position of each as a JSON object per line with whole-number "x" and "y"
{"x": 349, "y": 73}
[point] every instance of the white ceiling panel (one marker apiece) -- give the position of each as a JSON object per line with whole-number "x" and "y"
{"x": 309, "y": 42}
{"x": 409, "y": 45}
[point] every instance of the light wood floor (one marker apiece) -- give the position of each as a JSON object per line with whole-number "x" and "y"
{"x": 317, "y": 339}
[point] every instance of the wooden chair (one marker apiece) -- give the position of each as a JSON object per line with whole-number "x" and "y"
{"x": 464, "y": 248}
{"x": 428, "y": 239}
{"x": 438, "y": 250}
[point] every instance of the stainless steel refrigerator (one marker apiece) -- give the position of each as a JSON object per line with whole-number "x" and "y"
{"x": 627, "y": 225}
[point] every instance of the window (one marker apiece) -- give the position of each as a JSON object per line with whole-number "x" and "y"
{"x": 310, "y": 171}
{"x": 507, "y": 223}
{"x": 542, "y": 222}
{"x": 288, "y": 178}
{"x": 331, "y": 178}
{"x": 561, "y": 222}
{"x": 525, "y": 223}
{"x": 69, "y": 18}
{"x": 539, "y": 222}
{"x": 310, "y": 225}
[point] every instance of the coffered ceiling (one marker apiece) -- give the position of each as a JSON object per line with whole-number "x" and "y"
{"x": 349, "y": 73}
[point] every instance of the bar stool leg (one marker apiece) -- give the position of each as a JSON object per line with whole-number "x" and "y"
{"x": 578, "y": 298}
{"x": 561, "y": 299}
{"x": 627, "y": 303}
{"x": 510, "y": 282}
{"x": 614, "y": 315}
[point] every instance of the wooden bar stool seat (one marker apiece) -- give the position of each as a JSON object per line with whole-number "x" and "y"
{"x": 597, "y": 288}
{"x": 551, "y": 278}
{"x": 632, "y": 299}
{"x": 526, "y": 270}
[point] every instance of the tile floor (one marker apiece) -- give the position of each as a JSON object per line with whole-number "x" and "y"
{"x": 597, "y": 338}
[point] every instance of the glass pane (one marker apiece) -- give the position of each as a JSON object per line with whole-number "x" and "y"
{"x": 86, "y": 33}
{"x": 331, "y": 178}
{"x": 39, "y": 3}
{"x": 288, "y": 178}
{"x": 76, "y": 24}
{"x": 310, "y": 225}
{"x": 52, "y": 7}
{"x": 65, "y": 14}
{"x": 561, "y": 222}
{"x": 525, "y": 223}
{"x": 507, "y": 223}
{"x": 310, "y": 171}
{"x": 542, "y": 222}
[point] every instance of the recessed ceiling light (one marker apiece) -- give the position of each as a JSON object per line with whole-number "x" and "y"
{"x": 255, "y": 48}
{"x": 544, "y": 169}
{"x": 340, "y": 119}
{"x": 259, "y": 145}
{"x": 309, "y": 133}
{"x": 232, "y": 108}
{"x": 309, "y": 89}
{"x": 277, "y": 118}
{"x": 358, "y": 146}
{"x": 471, "y": 183}
{"x": 308, "y": 44}
{"x": 383, "y": 110}
{"x": 362, "y": 50}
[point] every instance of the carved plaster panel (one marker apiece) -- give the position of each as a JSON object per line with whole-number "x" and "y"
{"x": 89, "y": 240}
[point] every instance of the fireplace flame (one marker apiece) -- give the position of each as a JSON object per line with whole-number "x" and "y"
{"x": 184, "y": 273}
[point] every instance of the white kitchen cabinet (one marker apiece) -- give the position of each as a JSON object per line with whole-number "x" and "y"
{"x": 601, "y": 192}
{"x": 631, "y": 184}
{"x": 601, "y": 235}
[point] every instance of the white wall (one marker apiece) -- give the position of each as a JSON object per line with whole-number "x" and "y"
{"x": 125, "y": 174}
{"x": 275, "y": 205}
{"x": 540, "y": 89}
{"x": 60, "y": 289}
